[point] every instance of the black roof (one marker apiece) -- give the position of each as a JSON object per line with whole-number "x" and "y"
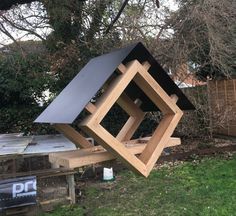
{"x": 74, "y": 97}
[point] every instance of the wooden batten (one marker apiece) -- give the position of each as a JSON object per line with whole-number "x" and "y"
{"x": 173, "y": 141}
{"x": 135, "y": 119}
{"x": 73, "y": 135}
{"x": 129, "y": 106}
{"x": 154, "y": 91}
{"x": 146, "y": 65}
{"x": 91, "y": 108}
{"x": 97, "y": 154}
{"x": 174, "y": 98}
{"x": 129, "y": 128}
{"x": 121, "y": 68}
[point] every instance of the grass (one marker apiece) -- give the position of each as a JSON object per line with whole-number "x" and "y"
{"x": 206, "y": 188}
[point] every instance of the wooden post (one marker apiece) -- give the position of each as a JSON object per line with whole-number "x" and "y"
{"x": 209, "y": 108}
{"x": 226, "y": 106}
{"x": 71, "y": 187}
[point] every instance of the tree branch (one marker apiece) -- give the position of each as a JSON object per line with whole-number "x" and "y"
{"x": 22, "y": 28}
{"x": 7, "y": 4}
{"x": 7, "y": 33}
{"x": 117, "y": 16}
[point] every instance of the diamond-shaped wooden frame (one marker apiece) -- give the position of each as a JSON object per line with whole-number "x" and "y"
{"x": 161, "y": 136}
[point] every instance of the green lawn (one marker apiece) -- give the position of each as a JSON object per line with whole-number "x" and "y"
{"x": 204, "y": 188}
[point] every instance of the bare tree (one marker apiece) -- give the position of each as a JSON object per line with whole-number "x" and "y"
{"x": 26, "y": 21}
{"x": 204, "y": 35}
{"x": 200, "y": 33}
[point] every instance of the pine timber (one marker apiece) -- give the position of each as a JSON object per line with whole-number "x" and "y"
{"x": 159, "y": 139}
{"x": 115, "y": 147}
{"x": 154, "y": 91}
{"x": 161, "y": 136}
{"x": 129, "y": 144}
{"x": 156, "y": 144}
{"x": 91, "y": 108}
{"x": 121, "y": 68}
{"x": 174, "y": 98}
{"x": 73, "y": 135}
{"x": 112, "y": 93}
{"x": 146, "y": 65}
{"x": 129, "y": 128}
{"x": 172, "y": 142}
{"x": 135, "y": 119}
{"x": 93, "y": 128}
{"x": 129, "y": 106}
{"x": 97, "y": 154}
{"x": 132, "y": 108}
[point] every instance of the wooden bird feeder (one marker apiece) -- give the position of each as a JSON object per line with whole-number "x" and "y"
{"x": 134, "y": 80}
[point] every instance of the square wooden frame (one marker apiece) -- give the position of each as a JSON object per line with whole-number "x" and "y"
{"x": 172, "y": 114}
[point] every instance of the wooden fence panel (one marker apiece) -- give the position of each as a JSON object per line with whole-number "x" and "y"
{"x": 222, "y": 102}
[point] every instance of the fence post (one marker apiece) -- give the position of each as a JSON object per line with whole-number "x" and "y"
{"x": 209, "y": 108}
